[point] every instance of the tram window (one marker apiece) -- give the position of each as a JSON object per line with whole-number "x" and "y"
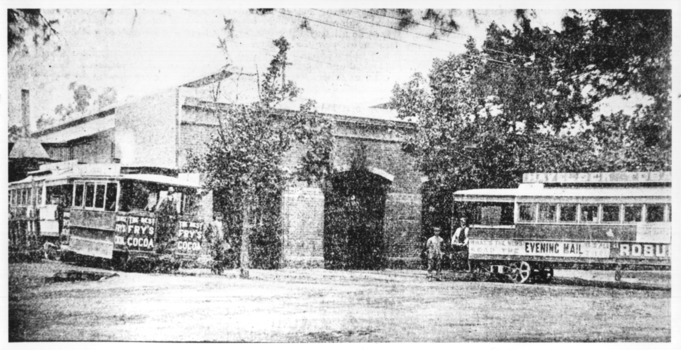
{"x": 568, "y": 213}
{"x": 13, "y": 197}
{"x": 611, "y": 213}
{"x": 89, "y": 194}
{"x": 526, "y": 212}
{"x": 489, "y": 213}
{"x": 111, "y": 189}
{"x": 654, "y": 212}
{"x": 100, "y": 189}
{"x": 135, "y": 196}
{"x": 78, "y": 198}
{"x": 52, "y": 191}
{"x": 67, "y": 193}
{"x": 632, "y": 213}
{"x": 547, "y": 212}
{"x": 589, "y": 213}
{"x": 24, "y": 196}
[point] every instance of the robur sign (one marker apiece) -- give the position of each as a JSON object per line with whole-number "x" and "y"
{"x": 644, "y": 250}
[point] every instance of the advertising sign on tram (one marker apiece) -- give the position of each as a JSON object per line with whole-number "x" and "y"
{"x": 190, "y": 236}
{"x": 135, "y": 230}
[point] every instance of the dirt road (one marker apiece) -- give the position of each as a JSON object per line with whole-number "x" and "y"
{"x": 331, "y": 306}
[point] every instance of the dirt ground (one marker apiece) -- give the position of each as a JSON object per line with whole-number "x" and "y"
{"x": 334, "y": 306}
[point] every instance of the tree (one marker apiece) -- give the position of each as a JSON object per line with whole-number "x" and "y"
{"x": 83, "y": 101}
{"x": 523, "y": 105}
{"x": 21, "y": 22}
{"x": 620, "y": 53}
{"x": 15, "y": 132}
{"x": 44, "y": 122}
{"x": 244, "y": 162}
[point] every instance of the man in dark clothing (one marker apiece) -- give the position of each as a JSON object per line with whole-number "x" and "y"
{"x": 166, "y": 214}
{"x": 460, "y": 244}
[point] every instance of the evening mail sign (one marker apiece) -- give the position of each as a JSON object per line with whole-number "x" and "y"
{"x": 540, "y": 248}
{"x": 618, "y": 177}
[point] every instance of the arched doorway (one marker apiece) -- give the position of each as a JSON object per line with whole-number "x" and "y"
{"x": 354, "y": 211}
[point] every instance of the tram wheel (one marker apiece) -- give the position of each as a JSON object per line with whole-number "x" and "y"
{"x": 520, "y": 272}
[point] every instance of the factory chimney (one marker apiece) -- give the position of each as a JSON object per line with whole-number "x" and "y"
{"x": 26, "y": 112}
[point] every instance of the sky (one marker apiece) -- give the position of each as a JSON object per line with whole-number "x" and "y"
{"x": 139, "y": 52}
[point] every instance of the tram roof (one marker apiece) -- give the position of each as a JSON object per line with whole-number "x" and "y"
{"x": 563, "y": 193}
{"x": 68, "y": 177}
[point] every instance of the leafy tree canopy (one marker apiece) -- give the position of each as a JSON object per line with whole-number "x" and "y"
{"x": 22, "y": 22}
{"x": 527, "y": 101}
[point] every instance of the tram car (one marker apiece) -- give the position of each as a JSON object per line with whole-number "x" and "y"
{"x": 107, "y": 211}
{"x": 38, "y": 210}
{"x": 598, "y": 220}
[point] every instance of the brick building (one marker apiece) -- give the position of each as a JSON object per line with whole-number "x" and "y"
{"x": 162, "y": 129}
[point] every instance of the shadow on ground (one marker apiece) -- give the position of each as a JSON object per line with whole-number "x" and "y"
{"x": 565, "y": 281}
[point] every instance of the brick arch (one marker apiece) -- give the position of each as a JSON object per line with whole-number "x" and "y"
{"x": 354, "y": 214}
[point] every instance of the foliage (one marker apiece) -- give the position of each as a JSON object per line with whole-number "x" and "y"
{"x": 244, "y": 164}
{"x": 21, "y": 22}
{"x": 625, "y": 52}
{"x": 441, "y": 21}
{"x": 85, "y": 100}
{"x": 526, "y": 102}
{"x": 15, "y": 132}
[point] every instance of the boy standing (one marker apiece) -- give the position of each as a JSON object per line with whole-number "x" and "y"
{"x": 434, "y": 246}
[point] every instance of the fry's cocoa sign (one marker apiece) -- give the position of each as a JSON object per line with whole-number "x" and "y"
{"x": 190, "y": 236}
{"x": 135, "y": 232}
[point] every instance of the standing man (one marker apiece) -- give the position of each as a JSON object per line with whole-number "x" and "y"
{"x": 460, "y": 243}
{"x": 166, "y": 214}
{"x": 434, "y": 246}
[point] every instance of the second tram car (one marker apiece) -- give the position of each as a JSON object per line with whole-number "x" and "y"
{"x": 597, "y": 219}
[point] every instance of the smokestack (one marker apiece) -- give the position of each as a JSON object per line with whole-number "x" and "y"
{"x": 26, "y": 112}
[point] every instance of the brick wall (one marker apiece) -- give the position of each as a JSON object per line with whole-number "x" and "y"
{"x": 304, "y": 217}
{"x": 58, "y": 152}
{"x": 402, "y": 230}
{"x": 98, "y": 148}
{"x": 193, "y": 139}
{"x": 146, "y": 131}
{"x": 303, "y": 227}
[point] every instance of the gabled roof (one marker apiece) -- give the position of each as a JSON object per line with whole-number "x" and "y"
{"x": 28, "y": 148}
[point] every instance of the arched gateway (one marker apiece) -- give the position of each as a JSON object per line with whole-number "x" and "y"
{"x": 354, "y": 215}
